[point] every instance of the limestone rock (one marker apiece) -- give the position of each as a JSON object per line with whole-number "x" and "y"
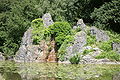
{"x": 81, "y": 24}
{"x": 2, "y": 58}
{"x": 80, "y": 41}
{"x": 22, "y": 54}
{"x": 116, "y": 46}
{"x": 100, "y": 34}
{"x": 77, "y": 46}
{"x": 47, "y": 19}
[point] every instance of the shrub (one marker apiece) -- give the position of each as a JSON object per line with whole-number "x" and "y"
{"x": 87, "y": 51}
{"x": 106, "y": 46}
{"x": 75, "y": 59}
{"x": 59, "y": 30}
{"x": 112, "y": 55}
{"x": 62, "y": 50}
{"x": 91, "y": 39}
{"x": 107, "y": 16}
{"x": 38, "y": 30}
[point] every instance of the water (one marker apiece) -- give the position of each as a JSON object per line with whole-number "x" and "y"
{"x": 54, "y": 71}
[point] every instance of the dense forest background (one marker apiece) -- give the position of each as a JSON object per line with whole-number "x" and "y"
{"x": 16, "y": 17}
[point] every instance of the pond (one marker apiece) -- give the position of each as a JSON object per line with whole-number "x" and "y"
{"x": 55, "y": 71}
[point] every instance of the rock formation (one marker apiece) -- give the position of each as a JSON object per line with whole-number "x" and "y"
{"x": 116, "y": 46}
{"x": 79, "y": 42}
{"x": 29, "y": 52}
{"x": 52, "y": 54}
{"x": 43, "y": 51}
{"x": 23, "y": 53}
{"x": 47, "y": 19}
{"x": 100, "y": 34}
{"x": 2, "y": 58}
{"x": 80, "y": 24}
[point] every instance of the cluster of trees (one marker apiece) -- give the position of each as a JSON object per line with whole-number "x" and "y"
{"x": 16, "y": 16}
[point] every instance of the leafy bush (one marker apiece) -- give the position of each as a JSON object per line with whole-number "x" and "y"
{"x": 108, "y": 16}
{"x": 87, "y": 51}
{"x": 75, "y": 59}
{"x": 91, "y": 39}
{"x": 62, "y": 50}
{"x": 78, "y": 29}
{"x": 110, "y": 55}
{"x": 59, "y": 30}
{"x": 38, "y": 30}
{"x": 106, "y": 46}
{"x": 114, "y": 37}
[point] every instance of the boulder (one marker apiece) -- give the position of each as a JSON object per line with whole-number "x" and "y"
{"x": 81, "y": 24}
{"x": 77, "y": 46}
{"x": 47, "y": 19}
{"x": 100, "y": 34}
{"x": 23, "y": 52}
{"x": 2, "y": 58}
{"x": 116, "y": 46}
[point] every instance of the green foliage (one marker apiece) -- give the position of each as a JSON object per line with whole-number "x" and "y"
{"x": 16, "y": 17}
{"x": 106, "y": 46}
{"x": 62, "y": 50}
{"x": 75, "y": 59}
{"x": 78, "y": 29}
{"x": 86, "y": 51}
{"x": 91, "y": 39}
{"x": 114, "y": 37}
{"x": 108, "y": 16}
{"x": 38, "y": 30}
{"x": 112, "y": 55}
{"x": 59, "y": 30}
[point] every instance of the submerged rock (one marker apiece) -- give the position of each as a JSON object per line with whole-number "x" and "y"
{"x": 47, "y": 19}
{"x": 100, "y": 34}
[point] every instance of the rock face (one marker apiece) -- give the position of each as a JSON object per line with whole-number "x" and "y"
{"x": 116, "y": 47}
{"x": 52, "y": 54}
{"x": 27, "y": 51}
{"x": 100, "y": 34}
{"x": 47, "y": 19}
{"x": 80, "y": 24}
{"x": 79, "y": 42}
{"x": 2, "y": 58}
{"x": 43, "y": 52}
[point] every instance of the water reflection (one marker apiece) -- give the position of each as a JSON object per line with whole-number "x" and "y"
{"x": 52, "y": 71}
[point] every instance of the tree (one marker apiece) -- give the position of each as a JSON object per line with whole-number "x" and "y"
{"x": 58, "y": 31}
{"x": 108, "y": 16}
